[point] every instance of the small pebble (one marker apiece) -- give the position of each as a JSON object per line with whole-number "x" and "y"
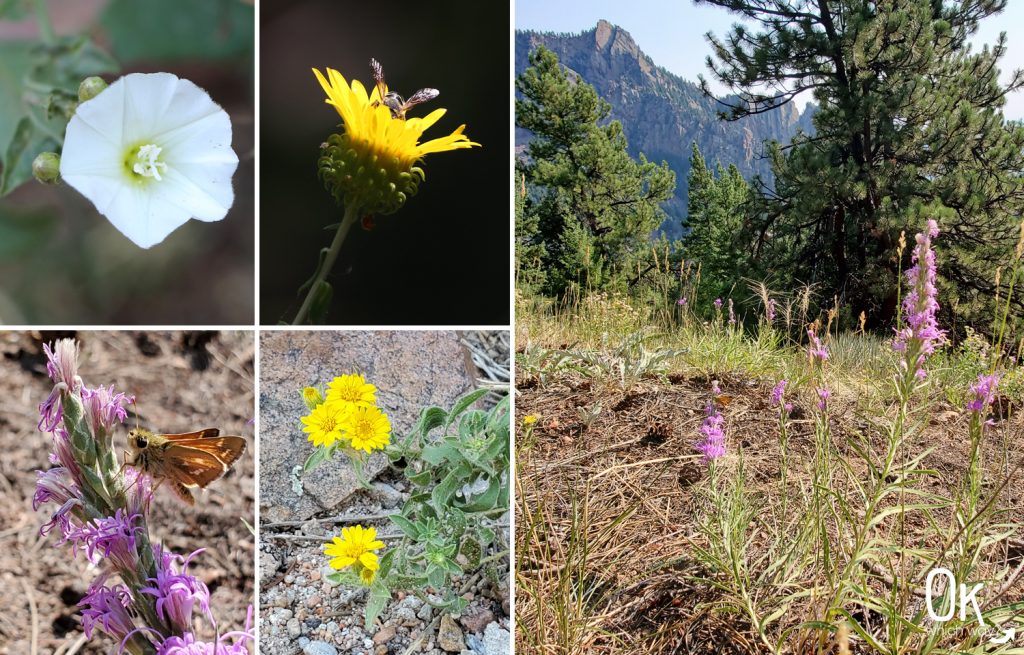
{"x": 313, "y": 601}
{"x": 294, "y": 628}
{"x": 319, "y": 648}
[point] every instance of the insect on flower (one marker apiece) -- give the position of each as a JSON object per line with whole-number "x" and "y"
{"x": 396, "y": 103}
{"x": 190, "y": 460}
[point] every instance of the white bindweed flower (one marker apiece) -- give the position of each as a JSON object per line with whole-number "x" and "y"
{"x": 151, "y": 151}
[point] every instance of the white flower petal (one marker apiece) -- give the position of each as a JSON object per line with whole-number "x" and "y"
{"x": 142, "y": 217}
{"x": 193, "y": 137}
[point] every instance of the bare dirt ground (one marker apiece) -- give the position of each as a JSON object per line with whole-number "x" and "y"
{"x": 637, "y": 460}
{"x": 182, "y": 381}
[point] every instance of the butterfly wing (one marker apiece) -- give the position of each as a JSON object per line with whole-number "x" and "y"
{"x": 201, "y": 461}
{"x": 205, "y": 433}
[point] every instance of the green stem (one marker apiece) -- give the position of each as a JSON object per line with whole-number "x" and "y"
{"x": 339, "y": 238}
{"x": 46, "y": 33}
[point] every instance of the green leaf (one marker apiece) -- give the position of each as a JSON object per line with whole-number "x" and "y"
{"x": 485, "y": 501}
{"x": 379, "y": 597}
{"x": 386, "y": 563}
{"x": 321, "y": 303}
{"x": 485, "y": 535}
{"x": 338, "y": 578}
{"x": 23, "y": 231}
{"x": 407, "y": 526}
{"x": 472, "y": 551}
{"x": 444, "y": 491}
{"x": 436, "y": 576}
{"x": 431, "y": 418}
{"x": 185, "y": 29}
{"x": 22, "y": 149}
{"x": 315, "y": 459}
{"x": 462, "y": 404}
{"x": 422, "y": 479}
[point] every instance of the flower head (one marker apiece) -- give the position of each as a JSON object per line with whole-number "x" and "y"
{"x": 151, "y": 151}
{"x": 355, "y": 548}
{"x": 324, "y": 423}
{"x": 815, "y": 349}
{"x": 529, "y": 419}
{"x": 177, "y": 592}
{"x": 312, "y": 397}
{"x": 823, "y": 395}
{"x": 681, "y": 302}
{"x": 351, "y": 390}
{"x": 367, "y": 428}
{"x": 984, "y": 391}
{"x": 110, "y": 538}
{"x": 371, "y": 165}
{"x": 107, "y": 607}
{"x": 62, "y": 362}
{"x": 718, "y": 303}
{"x": 769, "y": 311}
{"x": 778, "y": 393}
{"x": 712, "y": 431}
{"x": 920, "y": 334}
{"x": 104, "y": 408}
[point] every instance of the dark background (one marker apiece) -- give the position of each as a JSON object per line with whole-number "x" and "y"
{"x": 442, "y": 259}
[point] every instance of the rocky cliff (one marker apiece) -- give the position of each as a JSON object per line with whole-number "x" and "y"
{"x": 662, "y": 114}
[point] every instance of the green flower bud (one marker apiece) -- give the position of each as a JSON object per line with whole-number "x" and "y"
{"x": 90, "y": 88}
{"x": 357, "y": 176}
{"x": 46, "y": 167}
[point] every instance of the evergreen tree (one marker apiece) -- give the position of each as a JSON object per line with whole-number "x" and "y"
{"x": 716, "y": 236}
{"x": 589, "y": 209}
{"x": 910, "y": 125}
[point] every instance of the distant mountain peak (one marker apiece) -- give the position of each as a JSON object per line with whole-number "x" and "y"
{"x": 662, "y": 114}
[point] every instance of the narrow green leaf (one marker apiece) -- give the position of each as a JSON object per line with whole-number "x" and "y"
{"x": 407, "y": 526}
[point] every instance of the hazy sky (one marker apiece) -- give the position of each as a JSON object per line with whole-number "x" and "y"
{"x": 672, "y": 31}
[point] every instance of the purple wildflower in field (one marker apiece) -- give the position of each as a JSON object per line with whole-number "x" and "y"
{"x": 62, "y": 362}
{"x": 732, "y": 315}
{"x": 779, "y": 396}
{"x": 815, "y": 348}
{"x": 823, "y": 395}
{"x": 920, "y": 334}
{"x": 187, "y": 644}
{"x": 712, "y": 431}
{"x": 984, "y": 391}
{"x": 177, "y": 592}
{"x": 107, "y": 608}
{"x": 769, "y": 311}
{"x": 718, "y": 303}
{"x": 681, "y": 302}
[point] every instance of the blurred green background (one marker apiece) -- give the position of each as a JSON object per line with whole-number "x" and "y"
{"x": 443, "y": 258}
{"x": 61, "y": 262}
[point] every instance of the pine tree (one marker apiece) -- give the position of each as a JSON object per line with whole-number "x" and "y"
{"x": 910, "y": 126}
{"x": 589, "y": 208}
{"x": 715, "y": 233}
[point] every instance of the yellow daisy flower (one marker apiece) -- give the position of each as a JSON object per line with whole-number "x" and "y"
{"x": 372, "y": 163}
{"x": 367, "y": 428}
{"x": 351, "y": 391}
{"x": 529, "y": 419}
{"x": 368, "y": 575}
{"x": 324, "y": 423}
{"x": 354, "y": 548}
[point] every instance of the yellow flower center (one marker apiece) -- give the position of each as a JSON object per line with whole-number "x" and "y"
{"x": 362, "y": 427}
{"x": 146, "y": 162}
{"x": 329, "y": 424}
{"x": 349, "y": 393}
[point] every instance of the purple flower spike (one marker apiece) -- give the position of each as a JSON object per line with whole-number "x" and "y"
{"x": 732, "y": 315}
{"x": 681, "y": 302}
{"x": 823, "y": 395}
{"x": 177, "y": 592}
{"x": 718, "y": 303}
{"x": 778, "y": 392}
{"x": 713, "y": 432}
{"x": 769, "y": 311}
{"x": 984, "y": 391}
{"x": 107, "y": 607}
{"x": 920, "y": 332}
{"x": 815, "y": 348}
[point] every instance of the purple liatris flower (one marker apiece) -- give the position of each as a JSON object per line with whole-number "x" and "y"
{"x": 107, "y": 607}
{"x": 823, "y": 395}
{"x": 769, "y": 311}
{"x": 104, "y": 408}
{"x": 62, "y": 362}
{"x": 984, "y": 391}
{"x": 816, "y": 349}
{"x": 112, "y": 538}
{"x": 778, "y": 396}
{"x": 718, "y": 303}
{"x": 920, "y": 334}
{"x": 681, "y": 302}
{"x": 177, "y": 592}
{"x": 732, "y": 315}
{"x": 712, "y": 431}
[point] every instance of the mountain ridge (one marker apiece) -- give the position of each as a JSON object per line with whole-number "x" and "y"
{"x": 662, "y": 114}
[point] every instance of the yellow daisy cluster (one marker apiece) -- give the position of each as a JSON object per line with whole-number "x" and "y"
{"x": 348, "y": 412}
{"x": 355, "y": 548}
